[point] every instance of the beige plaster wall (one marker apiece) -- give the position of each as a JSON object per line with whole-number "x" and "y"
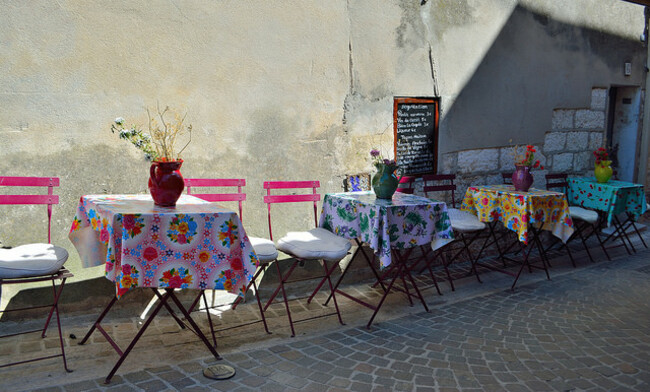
{"x": 279, "y": 89}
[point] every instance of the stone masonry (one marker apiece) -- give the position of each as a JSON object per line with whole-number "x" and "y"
{"x": 566, "y": 148}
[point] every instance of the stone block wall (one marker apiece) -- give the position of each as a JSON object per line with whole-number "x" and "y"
{"x": 567, "y": 148}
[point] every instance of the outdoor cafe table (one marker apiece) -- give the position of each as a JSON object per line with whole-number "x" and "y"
{"x": 611, "y": 199}
{"x": 392, "y": 228}
{"x": 525, "y": 213}
{"x": 195, "y": 245}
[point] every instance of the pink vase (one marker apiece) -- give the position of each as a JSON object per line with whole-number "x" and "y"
{"x": 522, "y": 179}
{"x": 166, "y": 183}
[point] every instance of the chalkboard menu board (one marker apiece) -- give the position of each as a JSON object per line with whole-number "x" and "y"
{"x": 415, "y": 124}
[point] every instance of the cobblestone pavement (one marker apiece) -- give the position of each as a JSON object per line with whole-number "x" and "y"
{"x": 588, "y": 329}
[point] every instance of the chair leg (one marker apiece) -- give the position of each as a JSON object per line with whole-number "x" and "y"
{"x": 284, "y": 294}
{"x": 55, "y": 308}
{"x": 328, "y": 272}
{"x": 584, "y": 240}
{"x": 636, "y": 230}
{"x": 595, "y": 229}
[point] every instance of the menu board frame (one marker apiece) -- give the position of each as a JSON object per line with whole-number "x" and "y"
{"x": 430, "y": 130}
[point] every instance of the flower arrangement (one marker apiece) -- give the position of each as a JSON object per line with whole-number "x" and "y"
{"x": 159, "y": 143}
{"x": 378, "y": 161}
{"x": 602, "y": 157}
{"x": 528, "y": 159}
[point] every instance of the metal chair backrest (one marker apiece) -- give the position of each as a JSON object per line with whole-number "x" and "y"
{"x": 301, "y": 197}
{"x": 557, "y": 180}
{"x": 239, "y": 196}
{"x": 436, "y": 178}
{"x": 507, "y": 178}
{"x": 408, "y": 188}
{"x": 50, "y": 199}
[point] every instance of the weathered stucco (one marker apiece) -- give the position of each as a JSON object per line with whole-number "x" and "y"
{"x": 280, "y": 89}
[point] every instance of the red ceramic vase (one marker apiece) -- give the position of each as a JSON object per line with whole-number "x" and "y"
{"x": 522, "y": 179}
{"x": 166, "y": 182}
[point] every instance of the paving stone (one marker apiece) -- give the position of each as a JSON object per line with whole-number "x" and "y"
{"x": 153, "y": 385}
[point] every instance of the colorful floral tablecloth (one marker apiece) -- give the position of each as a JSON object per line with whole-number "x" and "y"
{"x": 404, "y": 222}
{"x": 519, "y": 210}
{"x": 196, "y": 245}
{"x": 613, "y": 197}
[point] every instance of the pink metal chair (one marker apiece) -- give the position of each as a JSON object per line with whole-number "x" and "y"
{"x": 265, "y": 249}
{"x": 313, "y": 245}
{"x": 39, "y": 262}
{"x": 406, "y": 184}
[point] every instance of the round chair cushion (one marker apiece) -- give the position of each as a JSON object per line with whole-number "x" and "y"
{"x": 583, "y": 214}
{"x": 464, "y": 221}
{"x": 315, "y": 244}
{"x": 31, "y": 260}
{"x": 265, "y": 249}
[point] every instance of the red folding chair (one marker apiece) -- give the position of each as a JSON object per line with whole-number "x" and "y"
{"x": 583, "y": 218}
{"x": 467, "y": 228}
{"x": 406, "y": 184}
{"x": 38, "y": 262}
{"x": 265, "y": 249}
{"x": 313, "y": 245}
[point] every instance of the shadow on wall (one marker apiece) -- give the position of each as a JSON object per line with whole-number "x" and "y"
{"x": 535, "y": 64}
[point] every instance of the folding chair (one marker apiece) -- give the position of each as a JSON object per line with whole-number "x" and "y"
{"x": 507, "y": 178}
{"x": 406, "y": 184}
{"x": 583, "y": 218}
{"x": 466, "y": 226}
{"x": 38, "y": 262}
{"x": 265, "y": 249}
{"x": 313, "y": 245}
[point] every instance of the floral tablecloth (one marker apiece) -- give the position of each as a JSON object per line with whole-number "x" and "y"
{"x": 196, "y": 245}
{"x": 519, "y": 210}
{"x": 613, "y": 197}
{"x": 404, "y": 222}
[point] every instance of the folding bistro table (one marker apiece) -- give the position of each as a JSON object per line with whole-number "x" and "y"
{"x": 392, "y": 228}
{"x": 195, "y": 245}
{"x": 525, "y": 213}
{"x": 611, "y": 199}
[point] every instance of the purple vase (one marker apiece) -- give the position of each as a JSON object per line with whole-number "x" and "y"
{"x": 521, "y": 178}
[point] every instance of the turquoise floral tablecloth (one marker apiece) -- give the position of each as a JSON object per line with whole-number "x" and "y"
{"x": 195, "y": 245}
{"x": 613, "y": 197}
{"x": 404, "y": 222}
{"x": 519, "y": 210}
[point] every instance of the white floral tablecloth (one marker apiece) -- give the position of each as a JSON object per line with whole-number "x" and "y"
{"x": 404, "y": 222}
{"x": 196, "y": 245}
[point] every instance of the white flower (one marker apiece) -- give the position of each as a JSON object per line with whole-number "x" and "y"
{"x": 119, "y": 121}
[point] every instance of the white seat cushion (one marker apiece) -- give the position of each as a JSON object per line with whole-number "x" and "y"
{"x": 583, "y": 214}
{"x": 265, "y": 249}
{"x": 315, "y": 244}
{"x": 464, "y": 221}
{"x": 31, "y": 260}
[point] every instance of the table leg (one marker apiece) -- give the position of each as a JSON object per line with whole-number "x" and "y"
{"x": 526, "y": 255}
{"x": 196, "y": 328}
{"x": 144, "y": 327}
{"x": 169, "y": 293}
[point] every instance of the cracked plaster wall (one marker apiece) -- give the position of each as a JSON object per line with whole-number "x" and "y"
{"x": 280, "y": 89}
